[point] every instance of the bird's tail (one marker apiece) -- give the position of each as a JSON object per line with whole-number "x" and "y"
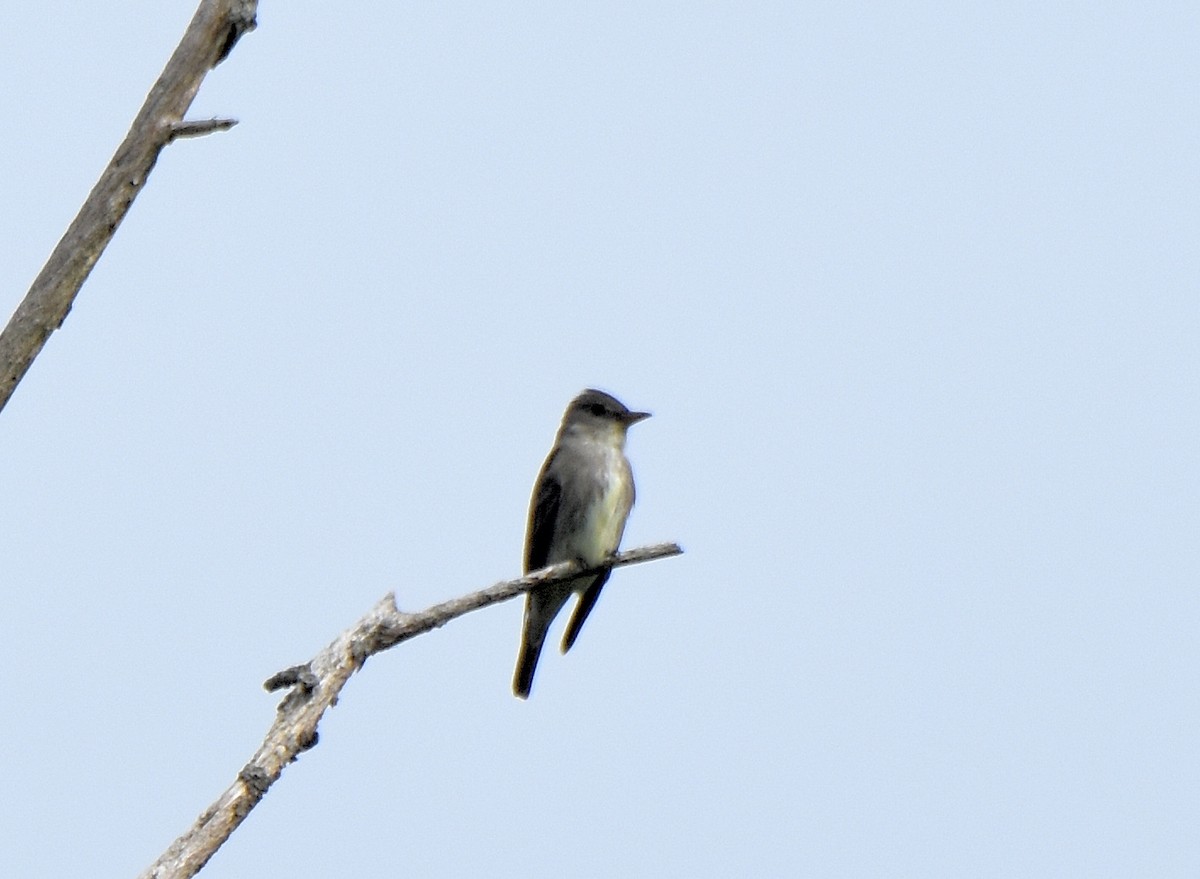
{"x": 541, "y": 606}
{"x": 527, "y": 660}
{"x": 540, "y": 609}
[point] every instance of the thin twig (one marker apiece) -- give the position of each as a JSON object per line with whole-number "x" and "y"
{"x": 200, "y": 127}
{"x": 315, "y": 687}
{"x": 215, "y": 28}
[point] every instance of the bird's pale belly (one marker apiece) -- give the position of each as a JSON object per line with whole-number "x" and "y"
{"x": 605, "y": 524}
{"x": 602, "y": 523}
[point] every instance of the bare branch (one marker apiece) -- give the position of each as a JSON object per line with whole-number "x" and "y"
{"x": 316, "y": 685}
{"x": 215, "y": 28}
{"x": 200, "y": 127}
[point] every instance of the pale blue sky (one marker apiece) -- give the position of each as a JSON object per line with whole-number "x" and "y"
{"x": 912, "y": 293}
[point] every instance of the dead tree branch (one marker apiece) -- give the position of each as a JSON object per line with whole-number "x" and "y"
{"x": 315, "y": 687}
{"x": 215, "y": 28}
{"x": 200, "y": 127}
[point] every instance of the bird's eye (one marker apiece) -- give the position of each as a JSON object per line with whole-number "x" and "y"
{"x": 596, "y": 409}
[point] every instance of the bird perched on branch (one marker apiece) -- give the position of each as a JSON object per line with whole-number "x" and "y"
{"x": 580, "y": 503}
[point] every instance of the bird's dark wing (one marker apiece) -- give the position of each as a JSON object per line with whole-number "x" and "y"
{"x": 586, "y": 602}
{"x": 542, "y": 604}
{"x": 543, "y": 514}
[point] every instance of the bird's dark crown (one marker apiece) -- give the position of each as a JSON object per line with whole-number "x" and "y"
{"x": 598, "y": 404}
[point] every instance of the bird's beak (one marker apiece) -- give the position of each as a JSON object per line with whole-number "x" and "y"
{"x": 635, "y": 417}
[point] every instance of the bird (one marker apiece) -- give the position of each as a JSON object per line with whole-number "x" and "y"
{"x": 580, "y": 502}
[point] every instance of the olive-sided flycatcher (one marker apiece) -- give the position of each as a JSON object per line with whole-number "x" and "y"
{"x": 580, "y": 503}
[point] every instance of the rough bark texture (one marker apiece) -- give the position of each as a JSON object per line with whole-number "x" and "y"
{"x": 315, "y": 686}
{"x": 210, "y": 37}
